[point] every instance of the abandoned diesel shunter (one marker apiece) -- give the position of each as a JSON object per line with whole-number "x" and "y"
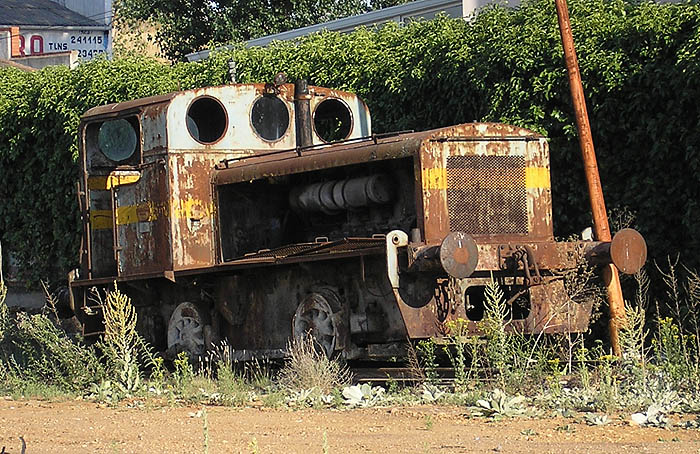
{"x": 256, "y": 213}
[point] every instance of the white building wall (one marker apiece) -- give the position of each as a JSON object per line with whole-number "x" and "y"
{"x": 98, "y": 10}
{"x": 470, "y": 6}
{"x": 5, "y": 44}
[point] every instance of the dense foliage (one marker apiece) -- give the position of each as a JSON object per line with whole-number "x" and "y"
{"x": 186, "y": 26}
{"x": 639, "y": 62}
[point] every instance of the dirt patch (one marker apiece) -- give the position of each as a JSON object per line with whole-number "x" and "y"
{"x": 78, "y": 426}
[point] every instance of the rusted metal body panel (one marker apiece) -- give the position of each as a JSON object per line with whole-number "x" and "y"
{"x": 101, "y": 244}
{"x": 123, "y": 199}
{"x": 127, "y": 107}
{"x": 141, "y": 219}
{"x": 505, "y": 170}
{"x": 154, "y": 132}
{"x": 288, "y": 162}
{"x": 487, "y": 179}
{"x": 191, "y": 210}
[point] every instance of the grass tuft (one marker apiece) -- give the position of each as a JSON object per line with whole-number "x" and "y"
{"x": 309, "y": 368}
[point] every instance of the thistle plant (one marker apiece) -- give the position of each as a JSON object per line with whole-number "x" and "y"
{"x": 428, "y": 359}
{"x": 499, "y": 404}
{"x": 364, "y": 395}
{"x": 456, "y": 352}
{"x": 494, "y": 327}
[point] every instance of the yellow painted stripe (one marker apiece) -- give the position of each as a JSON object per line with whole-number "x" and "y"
{"x": 435, "y": 178}
{"x": 192, "y": 208}
{"x": 100, "y": 219}
{"x": 105, "y": 183}
{"x": 535, "y": 178}
{"x": 149, "y": 212}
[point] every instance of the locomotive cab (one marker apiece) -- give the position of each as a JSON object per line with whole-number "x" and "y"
{"x": 147, "y": 166}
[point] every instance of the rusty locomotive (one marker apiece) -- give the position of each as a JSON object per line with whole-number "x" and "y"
{"x": 256, "y": 213}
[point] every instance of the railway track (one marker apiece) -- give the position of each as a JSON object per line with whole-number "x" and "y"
{"x": 384, "y": 373}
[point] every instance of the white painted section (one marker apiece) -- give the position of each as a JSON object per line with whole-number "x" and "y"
{"x": 359, "y": 112}
{"x": 5, "y": 44}
{"x": 102, "y": 13}
{"x": 238, "y": 102}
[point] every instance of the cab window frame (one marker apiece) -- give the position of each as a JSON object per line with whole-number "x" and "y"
{"x": 97, "y": 159}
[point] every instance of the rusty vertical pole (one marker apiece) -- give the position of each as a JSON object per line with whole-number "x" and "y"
{"x": 303, "y": 119}
{"x": 595, "y": 190}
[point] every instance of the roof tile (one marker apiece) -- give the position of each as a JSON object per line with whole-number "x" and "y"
{"x": 41, "y": 13}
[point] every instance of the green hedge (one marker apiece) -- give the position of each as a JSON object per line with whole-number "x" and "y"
{"x": 639, "y": 63}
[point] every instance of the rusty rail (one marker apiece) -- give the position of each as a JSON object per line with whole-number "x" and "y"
{"x": 595, "y": 191}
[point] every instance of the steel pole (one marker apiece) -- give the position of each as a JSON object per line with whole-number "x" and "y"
{"x": 590, "y": 165}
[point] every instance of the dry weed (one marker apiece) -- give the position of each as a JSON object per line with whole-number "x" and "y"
{"x": 308, "y": 367}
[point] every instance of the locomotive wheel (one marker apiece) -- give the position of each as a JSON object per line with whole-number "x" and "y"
{"x": 318, "y": 316}
{"x": 186, "y": 330}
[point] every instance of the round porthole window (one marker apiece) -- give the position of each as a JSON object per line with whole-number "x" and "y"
{"x": 206, "y": 120}
{"x": 117, "y": 139}
{"x": 270, "y": 117}
{"x": 332, "y": 120}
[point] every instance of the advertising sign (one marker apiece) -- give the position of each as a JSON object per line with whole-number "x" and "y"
{"x": 88, "y": 43}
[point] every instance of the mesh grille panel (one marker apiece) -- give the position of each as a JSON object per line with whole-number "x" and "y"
{"x": 486, "y": 194}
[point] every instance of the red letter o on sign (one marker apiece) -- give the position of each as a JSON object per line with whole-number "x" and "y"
{"x": 36, "y": 45}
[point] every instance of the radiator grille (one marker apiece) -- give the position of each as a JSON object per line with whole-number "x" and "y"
{"x": 487, "y": 194}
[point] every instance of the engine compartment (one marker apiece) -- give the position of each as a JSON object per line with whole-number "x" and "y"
{"x": 343, "y": 202}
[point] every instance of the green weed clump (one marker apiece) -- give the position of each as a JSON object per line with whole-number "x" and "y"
{"x": 658, "y": 371}
{"x": 457, "y": 352}
{"x": 427, "y": 360}
{"x": 233, "y": 386}
{"x": 38, "y": 357}
{"x": 676, "y": 341}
